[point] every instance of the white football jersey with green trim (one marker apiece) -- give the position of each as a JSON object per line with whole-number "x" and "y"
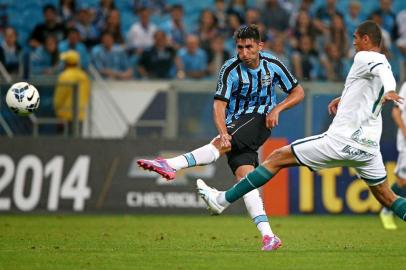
{"x": 358, "y": 121}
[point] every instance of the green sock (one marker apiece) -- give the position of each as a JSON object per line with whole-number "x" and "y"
{"x": 251, "y": 181}
{"x": 399, "y": 207}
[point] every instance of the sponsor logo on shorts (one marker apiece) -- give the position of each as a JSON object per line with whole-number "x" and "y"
{"x": 357, "y": 136}
{"x": 355, "y": 152}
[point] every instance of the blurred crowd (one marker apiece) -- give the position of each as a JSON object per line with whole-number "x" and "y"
{"x": 312, "y": 38}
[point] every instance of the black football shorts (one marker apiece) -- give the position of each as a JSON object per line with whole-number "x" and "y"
{"x": 248, "y": 133}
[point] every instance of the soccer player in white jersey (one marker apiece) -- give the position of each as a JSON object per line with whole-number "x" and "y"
{"x": 352, "y": 139}
{"x": 399, "y": 116}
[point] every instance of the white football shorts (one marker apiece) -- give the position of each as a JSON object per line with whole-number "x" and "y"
{"x": 322, "y": 151}
{"x": 400, "y": 169}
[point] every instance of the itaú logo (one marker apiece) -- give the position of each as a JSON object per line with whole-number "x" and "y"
{"x": 184, "y": 177}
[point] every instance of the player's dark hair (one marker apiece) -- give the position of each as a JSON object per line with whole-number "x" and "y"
{"x": 248, "y": 32}
{"x": 372, "y": 30}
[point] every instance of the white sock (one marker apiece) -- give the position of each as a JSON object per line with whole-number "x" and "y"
{"x": 255, "y": 207}
{"x": 201, "y": 156}
{"x": 221, "y": 199}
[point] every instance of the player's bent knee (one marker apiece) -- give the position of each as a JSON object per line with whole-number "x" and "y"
{"x": 280, "y": 155}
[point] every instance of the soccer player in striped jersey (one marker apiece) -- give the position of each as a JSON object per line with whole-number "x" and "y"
{"x": 245, "y": 111}
{"x": 352, "y": 139}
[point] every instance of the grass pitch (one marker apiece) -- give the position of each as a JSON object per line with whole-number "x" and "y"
{"x": 197, "y": 242}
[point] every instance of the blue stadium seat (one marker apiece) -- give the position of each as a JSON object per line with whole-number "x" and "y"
{"x": 123, "y": 5}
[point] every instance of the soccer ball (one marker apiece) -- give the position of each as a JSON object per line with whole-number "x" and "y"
{"x": 22, "y": 98}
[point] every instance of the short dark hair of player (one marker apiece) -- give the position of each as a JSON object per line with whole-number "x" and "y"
{"x": 372, "y": 30}
{"x": 248, "y": 32}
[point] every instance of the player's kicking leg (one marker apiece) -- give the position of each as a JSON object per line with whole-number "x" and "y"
{"x": 167, "y": 167}
{"x": 218, "y": 201}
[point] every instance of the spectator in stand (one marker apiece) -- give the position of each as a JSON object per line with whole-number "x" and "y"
{"x": 386, "y": 37}
{"x": 233, "y": 24}
{"x": 191, "y": 62}
{"x": 388, "y": 17}
{"x": 277, "y": 47}
{"x": 72, "y": 42}
{"x": 10, "y": 51}
{"x": 63, "y": 96}
{"x": 158, "y": 62}
{"x": 353, "y": 17}
{"x": 252, "y": 16}
{"x": 67, "y": 10}
{"x": 334, "y": 64}
{"x": 113, "y": 25}
{"x": 50, "y": 26}
{"x": 102, "y": 13}
{"x": 207, "y": 28}
{"x": 324, "y": 16}
{"x": 84, "y": 24}
{"x": 45, "y": 58}
{"x": 238, "y": 7}
{"x": 156, "y": 7}
{"x": 401, "y": 42}
{"x": 304, "y": 5}
{"x": 141, "y": 34}
{"x": 175, "y": 28}
{"x": 305, "y": 60}
{"x": 303, "y": 27}
{"x": 337, "y": 34}
{"x": 220, "y": 12}
{"x": 401, "y": 26}
{"x": 216, "y": 56}
{"x": 275, "y": 17}
{"x": 110, "y": 59}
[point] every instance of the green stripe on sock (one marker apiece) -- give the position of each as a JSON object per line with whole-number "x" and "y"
{"x": 399, "y": 207}
{"x": 251, "y": 181}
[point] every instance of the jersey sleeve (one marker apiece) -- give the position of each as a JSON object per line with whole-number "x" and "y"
{"x": 225, "y": 82}
{"x": 377, "y": 66}
{"x": 284, "y": 78}
{"x": 384, "y": 72}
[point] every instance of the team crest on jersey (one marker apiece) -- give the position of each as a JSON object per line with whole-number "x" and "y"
{"x": 266, "y": 80}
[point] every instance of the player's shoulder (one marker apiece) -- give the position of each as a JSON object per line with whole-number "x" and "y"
{"x": 268, "y": 56}
{"x": 230, "y": 64}
{"x": 232, "y": 61}
{"x": 369, "y": 56}
{"x": 271, "y": 59}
